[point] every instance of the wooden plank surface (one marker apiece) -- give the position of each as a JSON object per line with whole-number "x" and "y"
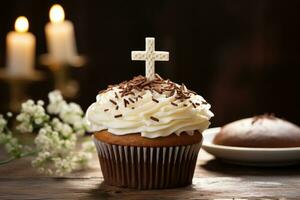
{"x": 213, "y": 180}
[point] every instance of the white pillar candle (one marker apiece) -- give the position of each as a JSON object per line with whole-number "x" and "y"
{"x": 20, "y": 49}
{"x": 60, "y": 36}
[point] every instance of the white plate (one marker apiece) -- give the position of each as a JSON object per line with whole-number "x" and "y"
{"x": 250, "y": 156}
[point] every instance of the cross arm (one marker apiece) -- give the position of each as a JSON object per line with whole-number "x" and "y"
{"x": 161, "y": 56}
{"x": 138, "y": 55}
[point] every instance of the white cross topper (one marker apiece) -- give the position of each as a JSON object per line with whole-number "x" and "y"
{"x": 150, "y": 56}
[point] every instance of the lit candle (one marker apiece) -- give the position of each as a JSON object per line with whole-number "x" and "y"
{"x": 20, "y": 49}
{"x": 60, "y": 36}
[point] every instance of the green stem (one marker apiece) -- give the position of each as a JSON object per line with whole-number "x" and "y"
{"x": 2, "y": 162}
{"x": 31, "y": 153}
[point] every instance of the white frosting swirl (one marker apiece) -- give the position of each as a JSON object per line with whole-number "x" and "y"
{"x": 173, "y": 115}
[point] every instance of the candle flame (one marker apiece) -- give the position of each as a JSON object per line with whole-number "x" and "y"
{"x": 57, "y": 13}
{"x": 21, "y": 24}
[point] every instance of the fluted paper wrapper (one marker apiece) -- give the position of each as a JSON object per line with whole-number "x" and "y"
{"x": 147, "y": 167}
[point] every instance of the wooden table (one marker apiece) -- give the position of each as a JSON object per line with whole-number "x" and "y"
{"x": 213, "y": 180}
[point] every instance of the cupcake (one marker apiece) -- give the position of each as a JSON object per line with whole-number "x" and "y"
{"x": 263, "y": 131}
{"x": 148, "y": 132}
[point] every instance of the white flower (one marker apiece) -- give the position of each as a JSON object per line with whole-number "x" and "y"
{"x": 41, "y": 159}
{"x": 40, "y": 103}
{"x": 38, "y": 120}
{"x": 32, "y": 115}
{"x": 62, "y": 128}
{"x": 88, "y": 146}
{"x": 3, "y": 123}
{"x": 55, "y": 96}
{"x": 64, "y": 165}
{"x": 56, "y": 102}
{"x": 85, "y": 154}
{"x": 69, "y": 113}
{"x": 11, "y": 144}
{"x": 83, "y": 158}
{"x": 58, "y": 135}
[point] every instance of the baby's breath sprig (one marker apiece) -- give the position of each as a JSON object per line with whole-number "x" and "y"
{"x": 60, "y": 129}
{"x": 32, "y": 117}
{"x": 11, "y": 144}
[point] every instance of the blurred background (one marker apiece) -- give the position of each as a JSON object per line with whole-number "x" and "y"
{"x": 241, "y": 56}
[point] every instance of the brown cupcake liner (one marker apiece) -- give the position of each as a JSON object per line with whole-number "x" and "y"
{"x": 147, "y": 167}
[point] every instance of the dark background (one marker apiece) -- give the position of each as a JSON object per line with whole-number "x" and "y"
{"x": 242, "y": 56}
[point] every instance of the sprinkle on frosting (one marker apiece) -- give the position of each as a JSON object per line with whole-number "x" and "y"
{"x": 133, "y": 106}
{"x": 155, "y": 100}
{"x": 174, "y": 104}
{"x": 113, "y": 102}
{"x": 131, "y": 100}
{"x": 126, "y": 102}
{"x": 193, "y": 104}
{"x": 116, "y": 95}
{"x": 157, "y": 85}
{"x": 154, "y": 119}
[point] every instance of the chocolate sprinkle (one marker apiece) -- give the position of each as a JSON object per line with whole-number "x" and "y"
{"x": 126, "y": 102}
{"x": 113, "y": 102}
{"x": 130, "y": 99}
{"x": 129, "y": 92}
{"x": 155, "y": 100}
{"x": 117, "y": 116}
{"x": 192, "y": 104}
{"x": 158, "y": 85}
{"x": 116, "y": 95}
{"x": 154, "y": 119}
{"x": 105, "y": 110}
{"x": 174, "y": 104}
